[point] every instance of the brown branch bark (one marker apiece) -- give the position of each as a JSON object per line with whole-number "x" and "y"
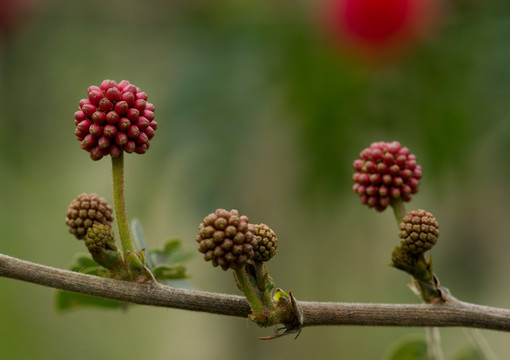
{"x": 448, "y": 314}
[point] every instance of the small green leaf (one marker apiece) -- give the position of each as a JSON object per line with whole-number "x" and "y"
{"x": 138, "y": 234}
{"x": 171, "y": 254}
{"x": 280, "y": 294}
{"x": 410, "y": 347}
{"x": 140, "y": 240}
{"x": 66, "y": 300}
{"x": 170, "y": 272}
{"x": 82, "y": 263}
{"x": 134, "y": 262}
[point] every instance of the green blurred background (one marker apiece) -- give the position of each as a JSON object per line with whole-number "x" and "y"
{"x": 257, "y": 111}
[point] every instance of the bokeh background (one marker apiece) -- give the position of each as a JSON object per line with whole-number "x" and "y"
{"x": 262, "y": 106}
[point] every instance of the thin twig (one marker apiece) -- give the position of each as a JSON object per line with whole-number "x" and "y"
{"x": 448, "y": 314}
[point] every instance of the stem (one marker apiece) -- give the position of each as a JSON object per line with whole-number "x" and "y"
{"x": 428, "y": 291}
{"x": 434, "y": 343}
{"x": 120, "y": 204}
{"x": 450, "y": 313}
{"x": 399, "y": 209}
{"x": 247, "y": 289}
{"x": 262, "y": 277}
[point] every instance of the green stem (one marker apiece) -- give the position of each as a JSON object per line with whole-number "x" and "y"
{"x": 427, "y": 290}
{"x": 242, "y": 280}
{"x": 120, "y": 204}
{"x": 399, "y": 209}
{"x": 262, "y": 278}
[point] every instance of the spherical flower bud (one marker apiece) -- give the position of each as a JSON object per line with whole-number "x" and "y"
{"x": 266, "y": 242}
{"x": 114, "y": 111}
{"x": 385, "y": 171}
{"x": 419, "y": 231}
{"x": 101, "y": 245}
{"x": 100, "y": 237}
{"x": 85, "y": 211}
{"x": 225, "y": 239}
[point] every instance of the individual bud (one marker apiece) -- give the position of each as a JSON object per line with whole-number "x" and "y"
{"x": 121, "y": 108}
{"x": 80, "y": 116}
{"x": 124, "y": 124}
{"x": 133, "y": 114}
{"x": 142, "y": 138}
{"x": 149, "y": 114}
{"x": 110, "y": 131}
{"x": 84, "y": 126}
{"x": 103, "y": 142}
{"x": 129, "y": 98}
{"x": 88, "y": 109}
{"x": 141, "y": 95}
{"x": 113, "y": 94}
{"x": 149, "y": 107}
{"x": 98, "y": 117}
{"x": 121, "y": 139}
{"x": 85, "y": 211}
{"x": 118, "y": 117}
{"x": 141, "y": 149}
{"x": 133, "y": 132}
{"x": 149, "y": 132}
{"x": 97, "y": 153}
{"x": 105, "y": 105}
{"x": 112, "y": 117}
{"x": 266, "y": 242}
{"x": 419, "y": 231}
{"x": 385, "y": 171}
{"x": 130, "y": 146}
{"x": 95, "y": 130}
{"x": 130, "y": 88}
{"x": 88, "y": 142}
{"x": 80, "y": 135}
{"x": 225, "y": 239}
{"x": 142, "y": 123}
{"x": 106, "y": 84}
{"x": 140, "y": 105}
{"x": 93, "y": 88}
{"x": 115, "y": 151}
{"x": 100, "y": 243}
{"x": 95, "y": 96}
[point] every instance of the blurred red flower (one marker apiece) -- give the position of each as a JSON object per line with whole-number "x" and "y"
{"x": 380, "y": 28}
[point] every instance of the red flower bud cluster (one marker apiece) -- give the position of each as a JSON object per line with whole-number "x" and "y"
{"x": 385, "y": 171}
{"x": 115, "y": 118}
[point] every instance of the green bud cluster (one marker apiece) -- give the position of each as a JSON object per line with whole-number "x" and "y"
{"x": 100, "y": 237}
{"x": 266, "y": 242}
{"x": 100, "y": 242}
{"x": 419, "y": 231}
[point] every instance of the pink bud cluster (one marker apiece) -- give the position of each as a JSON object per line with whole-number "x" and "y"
{"x": 385, "y": 171}
{"x": 114, "y": 118}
